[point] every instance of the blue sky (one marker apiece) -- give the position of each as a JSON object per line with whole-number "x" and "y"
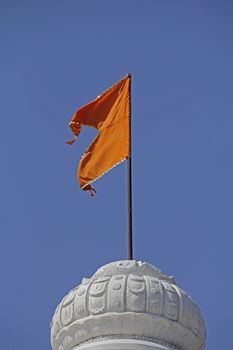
{"x": 55, "y": 57}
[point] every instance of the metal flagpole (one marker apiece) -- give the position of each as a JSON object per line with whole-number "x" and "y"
{"x": 130, "y": 226}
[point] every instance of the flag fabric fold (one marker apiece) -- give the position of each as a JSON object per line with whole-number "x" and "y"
{"x": 109, "y": 113}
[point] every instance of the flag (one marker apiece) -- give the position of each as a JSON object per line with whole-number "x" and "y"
{"x": 109, "y": 113}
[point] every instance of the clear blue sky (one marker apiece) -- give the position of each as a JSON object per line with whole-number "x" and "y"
{"x": 55, "y": 57}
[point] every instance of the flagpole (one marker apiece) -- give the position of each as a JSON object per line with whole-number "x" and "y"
{"x": 130, "y": 221}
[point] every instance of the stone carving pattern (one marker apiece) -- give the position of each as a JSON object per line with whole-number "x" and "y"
{"x": 67, "y": 309}
{"x": 136, "y": 294}
{"x": 154, "y": 295}
{"x": 116, "y": 293}
{"x": 171, "y": 305}
{"x": 97, "y": 296}
{"x": 143, "y": 294}
{"x": 80, "y": 307}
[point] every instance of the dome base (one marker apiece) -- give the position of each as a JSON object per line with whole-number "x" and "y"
{"x": 123, "y": 344}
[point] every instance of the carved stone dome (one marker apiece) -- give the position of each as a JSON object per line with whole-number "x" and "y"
{"x": 128, "y": 300}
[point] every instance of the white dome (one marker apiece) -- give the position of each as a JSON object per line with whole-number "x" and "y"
{"x": 128, "y": 300}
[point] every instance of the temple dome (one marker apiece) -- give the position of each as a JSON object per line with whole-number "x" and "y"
{"x": 128, "y": 300}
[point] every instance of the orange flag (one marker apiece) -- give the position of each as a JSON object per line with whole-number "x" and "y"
{"x": 109, "y": 113}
